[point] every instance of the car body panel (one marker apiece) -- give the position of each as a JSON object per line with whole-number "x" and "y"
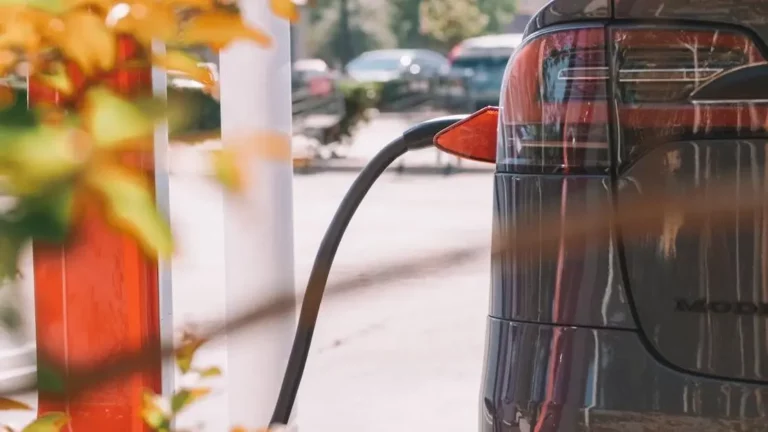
{"x": 565, "y": 11}
{"x": 673, "y": 267}
{"x": 551, "y": 378}
{"x": 681, "y": 343}
{"x": 580, "y": 285}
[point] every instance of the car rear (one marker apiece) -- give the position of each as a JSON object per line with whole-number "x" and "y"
{"x": 654, "y": 327}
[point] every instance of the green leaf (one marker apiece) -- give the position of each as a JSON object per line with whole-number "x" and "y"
{"x": 130, "y": 206}
{"x": 53, "y": 6}
{"x": 48, "y": 379}
{"x": 49, "y": 422}
{"x": 228, "y": 169}
{"x": 210, "y": 372}
{"x": 47, "y": 216}
{"x": 36, "y": 158}
{"x": 186, "y": 351}
{"x": 13, "y": 405}
{"x": 186, "y": 397}
{"x": 113, "y": 120}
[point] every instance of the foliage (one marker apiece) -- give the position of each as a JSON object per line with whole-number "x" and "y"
{"x": 451, "y": 21}
{"x": 359, "y": 100}
{"x": 82, "y": 144}
{"x": 499, "y": 12}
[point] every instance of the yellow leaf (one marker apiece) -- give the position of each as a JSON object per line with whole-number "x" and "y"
{"x": 286, "y": 9}
{"x": 114, "y": 122}
{"x": 12, "y": 405}
{"x": 186, "y": 351}
{"x": 49, "y": 422}
{"x": 178, "y": 61}
{"x": 194, "y": 4}
{"x": 8, "y": 60}
{"x": 84, "y": 38}
{"x": 218, "y": 29}
{"x": 130, "y": 206}
{"x": 57, "y": 78}
{"x": 228, "y": 169}
{"x": 209, "y": 372}
{"x": 144, "y": 19}
{"x": 153, "y": 413}
{"x": 19, "y": 33}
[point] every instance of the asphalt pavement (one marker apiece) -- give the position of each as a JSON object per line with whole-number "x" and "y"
{"x": 405, "y": 355}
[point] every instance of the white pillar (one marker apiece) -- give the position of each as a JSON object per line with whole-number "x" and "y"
{"x": 163, "y": 200}
{"x": 256, "y": 96}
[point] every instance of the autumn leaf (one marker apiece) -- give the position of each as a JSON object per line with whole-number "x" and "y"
{"x": 130, "y": 206}
{"x": 114, "y": 122}
{"x": 228, "y": 169}
{"x": 13, "y": 405}
{"x": 209, "y": 372}
{"x": 186, "y": 352}
{"x": 185, "y": 397}
{"x": 36, "y": 158}
{"x": 286, "y": 9}
{"x": 7, "y": 96}
{"x": 49, "y": 422}
{"x": 57, "y": 78}
{"x": 145, "y": 20}
{"x": 84, "y": 38}
{"x": 178, "y": 61}
{"x": 153, "y": 414}
{"x": 218, "y": 29}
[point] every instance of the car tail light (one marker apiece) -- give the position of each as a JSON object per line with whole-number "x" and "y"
{"x": 554, "y": 111}
{"x": 454, "y": 53}
{"x": 657, "y": 70}
{"x": 564, "y": 88}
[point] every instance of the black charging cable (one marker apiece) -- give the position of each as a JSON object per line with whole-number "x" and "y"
{"x": 418, "y": 137}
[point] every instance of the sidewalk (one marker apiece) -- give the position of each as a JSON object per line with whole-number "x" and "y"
{"x": 369, "y": 140}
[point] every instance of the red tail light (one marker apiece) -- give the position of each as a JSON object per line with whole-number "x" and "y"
{"x": 554, "y": 111}
{"x": 454, "y": 53}
{"x": 563, "y": 89}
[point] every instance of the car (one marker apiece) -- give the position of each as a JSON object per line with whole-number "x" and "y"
{"x": 659, "y": 327}
{"x": 317, "y": 101}
{"x": 396, "y": 64}
{"x": 477, "y": 68}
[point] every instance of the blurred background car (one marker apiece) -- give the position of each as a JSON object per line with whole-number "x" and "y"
{"x": 318, "y": 101}
{"x": 396, "y": 64}
{"x": 405, "y": 77}
{"x": 477, "y": 68}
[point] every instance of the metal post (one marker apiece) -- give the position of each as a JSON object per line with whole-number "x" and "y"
{"x": 163, "y": 200}
{"x": 256, "y": 98}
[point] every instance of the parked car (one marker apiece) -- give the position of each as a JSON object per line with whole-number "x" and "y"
{"x": 477, "y": 68}
{"x": 604, "y": 101}
{"x": 318, "y": 102}
{"x": 407, "y": 76}
{"x": 396, "y": 64}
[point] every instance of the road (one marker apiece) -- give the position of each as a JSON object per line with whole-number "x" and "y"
{"x": 405, "y": 355}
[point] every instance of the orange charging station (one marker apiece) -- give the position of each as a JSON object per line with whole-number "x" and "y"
{"x": 99, "y": 294}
